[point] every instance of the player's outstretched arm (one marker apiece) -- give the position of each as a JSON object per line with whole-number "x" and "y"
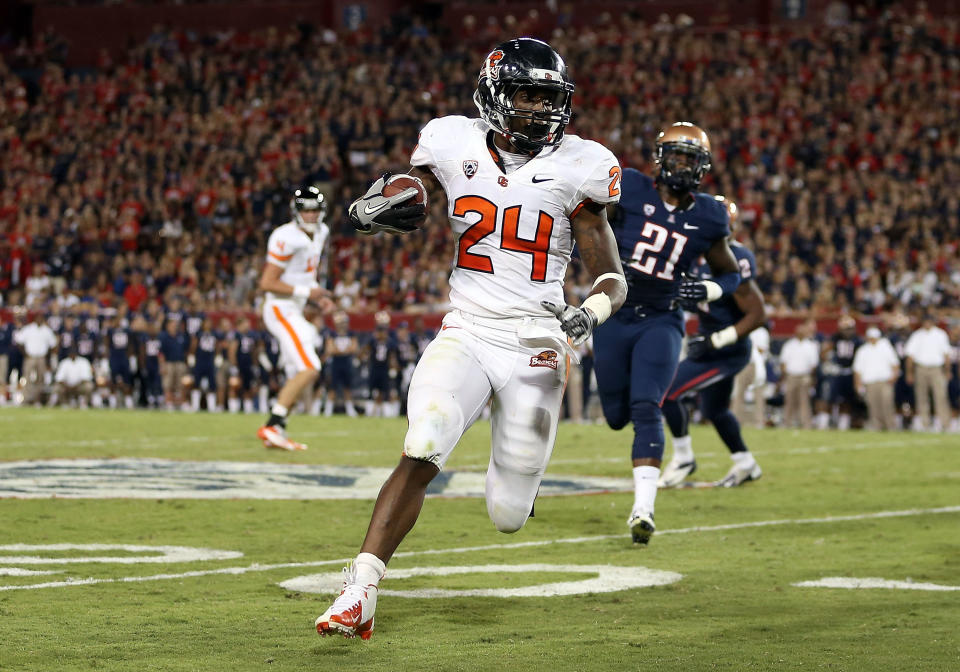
{"x": 598, "y": 251}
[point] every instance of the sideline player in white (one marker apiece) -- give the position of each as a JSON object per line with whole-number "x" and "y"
{"x": 290, "y": 280}
{"x": 519, "y": 194}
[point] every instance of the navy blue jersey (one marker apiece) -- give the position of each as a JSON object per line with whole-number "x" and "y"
{"x": 246, "y": 347}
{"x": 118, "y": 343}
{"x": 194, "y": 323}
{"x": 844, "y": 348}
{"x": 174, "y": 348}
{"x": 151, "y": 352}
{"x": 380, "y": 351}
{"x": 407, "y": 350}
{"x": 6, "y": 338}
{"x": 67, "y": 339}
{"x": 725, "y": 312}
{"x": 657, "y": 244}
{"x": 87, "y": 345}
{"x": 91, "y": 324}
{"x": 206, "y": 348}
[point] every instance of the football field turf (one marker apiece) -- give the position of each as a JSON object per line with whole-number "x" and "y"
{"x": 831, "y": 508}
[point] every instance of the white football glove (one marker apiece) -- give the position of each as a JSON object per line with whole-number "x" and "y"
{"x": 577, "y": 323}
{"x": 375, "y": 212}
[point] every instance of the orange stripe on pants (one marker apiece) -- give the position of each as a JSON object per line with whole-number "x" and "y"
{"x": 296, "y": 341}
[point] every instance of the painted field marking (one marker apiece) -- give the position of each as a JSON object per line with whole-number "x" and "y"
{"x": 609, "y": 579}
{"x": 871, "y": 582}
{"x": 495, "y": 547}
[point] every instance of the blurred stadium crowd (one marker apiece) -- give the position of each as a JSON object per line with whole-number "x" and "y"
{"x": 140, "y": 193}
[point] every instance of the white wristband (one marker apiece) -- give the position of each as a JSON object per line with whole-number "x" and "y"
{"x": 714, "y": 291}
{"x": 611, "y": 276}
{"x": 724, "y": 337}
{"x": 301, "y": 292}
{"x": 599, "y": 305}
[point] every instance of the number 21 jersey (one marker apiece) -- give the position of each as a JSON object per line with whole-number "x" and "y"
{"x": 512, "y": 230}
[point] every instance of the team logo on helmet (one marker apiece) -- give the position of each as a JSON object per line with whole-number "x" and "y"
{"x": 493, "y": 64}
{"x": 547, "y": 358}
{"x": 470, "y": 168}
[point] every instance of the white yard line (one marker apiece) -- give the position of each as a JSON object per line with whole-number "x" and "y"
{"x": 494, "y": 547}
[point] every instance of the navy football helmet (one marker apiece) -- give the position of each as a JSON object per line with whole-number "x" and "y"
{"x": 512, "y": 66}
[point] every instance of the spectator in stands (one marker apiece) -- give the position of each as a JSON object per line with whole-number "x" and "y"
{"x": 928, "y": 368}
{"x": 876, "y": 368}
{"x": 799, "y": 358}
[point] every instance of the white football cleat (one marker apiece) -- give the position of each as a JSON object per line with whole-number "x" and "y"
{"x": 738, "y": 476}
{"x": 641, "y": 527}
{"x": 675, "y": 473}
{"x": 274, "y": 436}
{"x": 351, "y": 614}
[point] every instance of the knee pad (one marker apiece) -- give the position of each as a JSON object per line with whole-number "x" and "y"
{"x": 434, "y": 431}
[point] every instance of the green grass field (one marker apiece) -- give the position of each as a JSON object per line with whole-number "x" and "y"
{"x": 819, "y": 511}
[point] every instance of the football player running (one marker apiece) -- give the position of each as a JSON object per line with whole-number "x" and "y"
{"x": 719, "y": 351}
{"x": 290, "y": 280}
{"x": 663, "y": 226}
{"x": 519, "y": 194}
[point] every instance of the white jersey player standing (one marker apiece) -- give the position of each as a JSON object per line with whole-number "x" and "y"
{"x": 519, "y": 195}
{"x": 289, "y": 279}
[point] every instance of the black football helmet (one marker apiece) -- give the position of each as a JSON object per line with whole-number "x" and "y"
{"x": 307, "y": 197}
{"x": 683, "y": 156}
{"x": 525, "y": 62}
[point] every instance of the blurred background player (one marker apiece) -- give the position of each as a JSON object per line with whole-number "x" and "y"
{"x": 663, "y": 226}
{"x": 150, "y": 347}
{"x": 840, "y": 395}
{"x": 512, "y": 170}
{"x": 710, "y": 367}
{"x": 203, "y": 352}
{"x": 340, "y": 350}
{"x": 750, "y": 385}
{"x": 383, "y": 366}
{"x": 244, "y": 352}
{"x": 290, "y": 280}
{"x": 174, "y": 343}
{"x": 120, "y": 346}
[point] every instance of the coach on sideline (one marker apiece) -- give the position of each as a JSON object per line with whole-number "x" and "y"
{"x": 876, "y": 368}
{"x": 928, "y": 367}
{"x": 38, "y": 341}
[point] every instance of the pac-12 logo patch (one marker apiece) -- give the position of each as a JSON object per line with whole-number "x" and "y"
{"x": 547, "y": 358}
{"x": 470, "y": 168}
{"x": 648, "y": 209}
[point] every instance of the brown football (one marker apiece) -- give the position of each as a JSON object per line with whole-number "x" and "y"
{"x": 398, "y": 183}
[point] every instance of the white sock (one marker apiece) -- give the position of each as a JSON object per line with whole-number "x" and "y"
{"x": 233, "y": 405}
{"x": 822, "y": 421}
{"x": 328, "y": 407}
{"x": 315, "y": 407}
{"x": 683, "y": 448}
{"x": 744, "y": 459}
{"x": 128, "y": 401}
{"x": 279, "y": 409}
{"x": 392, "y": 409}
{"x": 212, "y": 402}
{"x": 112, "y": 401}
{"x": 370, "y": 569}
{"x": 195, "y": 399}
{"x": 843, "y": 422}
{"x": 645, "y": 488}
{"x": 262, "y": 394}
{"x": 351, "y": 411}
{"x": 248, "y": 405}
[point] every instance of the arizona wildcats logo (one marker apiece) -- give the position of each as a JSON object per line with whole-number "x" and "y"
{"x": 547, "y": 358}
{"x": 648, "y": 209}
{"x": 470, "y": 168}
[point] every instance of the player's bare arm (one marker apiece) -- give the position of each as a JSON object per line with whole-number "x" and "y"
{"x": 598, "y": 251}
{"x": 430, "y": 181}
{"x": 749, "y": 300}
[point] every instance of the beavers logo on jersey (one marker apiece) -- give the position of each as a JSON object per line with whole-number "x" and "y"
{"x": 547, "y": 358}
{"x": 470, "y": 168}
{"x": 502, "y": 181}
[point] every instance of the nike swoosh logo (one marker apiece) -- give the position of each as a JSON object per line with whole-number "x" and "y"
{"x": 367, "y": 210}
{"x": 690, "y": 227}
{"x": 542, "y": 179}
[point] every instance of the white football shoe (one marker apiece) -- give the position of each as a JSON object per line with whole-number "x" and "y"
{"x": 641, "y": 527}
{"x": 675, "y": 473}
{"x": 738, "y": 476}
{"x": 351, "y": 614}
{"x": 274, "y": 436}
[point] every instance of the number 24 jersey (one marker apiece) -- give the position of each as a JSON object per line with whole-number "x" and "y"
{"x": 513, "y": 231}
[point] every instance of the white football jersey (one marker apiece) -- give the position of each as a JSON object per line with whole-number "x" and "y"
{"x": 298, "y": 254}
{"x": 513, "y": 231}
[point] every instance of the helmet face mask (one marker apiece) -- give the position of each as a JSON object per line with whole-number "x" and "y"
{"x": 524, "y": 93}
{"x": 308, "y": 199}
